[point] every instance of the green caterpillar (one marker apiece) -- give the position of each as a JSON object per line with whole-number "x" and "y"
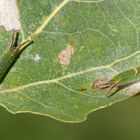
{"x": 119, "y": 81}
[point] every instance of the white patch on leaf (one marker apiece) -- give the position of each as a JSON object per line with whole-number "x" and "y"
{"x": 65, "y": 55}
{"x": 9, "y": 15}
{"x": 37, "y": 58}
{"x": 133, "y": 89}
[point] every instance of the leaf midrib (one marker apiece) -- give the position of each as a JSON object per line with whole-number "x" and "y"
{"x": 56, "y": 80}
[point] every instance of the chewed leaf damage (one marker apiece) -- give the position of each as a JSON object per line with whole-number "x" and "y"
{"x": 9, "y": 15}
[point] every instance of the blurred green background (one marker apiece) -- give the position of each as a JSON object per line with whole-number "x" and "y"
{"x": 117, "y": 122}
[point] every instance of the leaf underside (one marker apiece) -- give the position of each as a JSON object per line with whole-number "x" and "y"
{"x": 98, "y": 40}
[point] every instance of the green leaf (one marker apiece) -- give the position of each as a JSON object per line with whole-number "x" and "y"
{"x": 83, "y": 41}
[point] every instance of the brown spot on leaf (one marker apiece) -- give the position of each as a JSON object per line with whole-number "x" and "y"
{"x": 65, "y": 55}
{"x": 83, "y": 89}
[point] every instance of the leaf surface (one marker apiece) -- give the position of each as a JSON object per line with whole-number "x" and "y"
{"x": 84, "y": 40}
